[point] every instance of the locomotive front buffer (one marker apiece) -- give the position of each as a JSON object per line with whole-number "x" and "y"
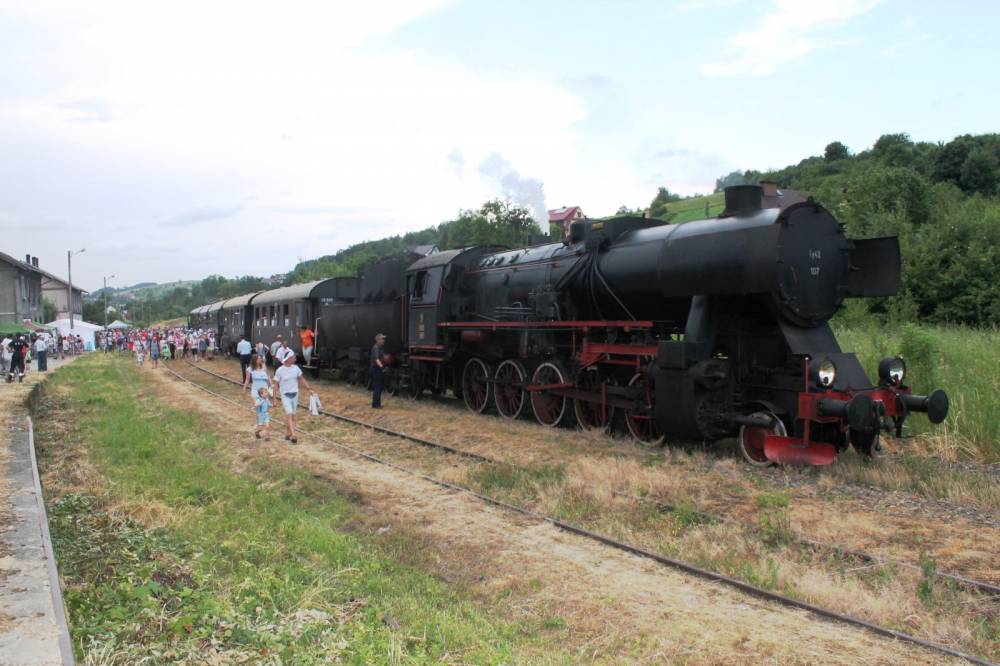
{"x": 859, "y": 415}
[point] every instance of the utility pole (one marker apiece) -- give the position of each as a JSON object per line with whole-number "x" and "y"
{"x": 105, "y": 290}
{"x": 69, "y": 271}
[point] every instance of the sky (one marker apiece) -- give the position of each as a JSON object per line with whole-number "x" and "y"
{"x": 176, "y": 140}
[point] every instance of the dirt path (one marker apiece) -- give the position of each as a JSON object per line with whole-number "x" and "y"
{"x": 892, "y": 525}
{"x": 615, "y": 606}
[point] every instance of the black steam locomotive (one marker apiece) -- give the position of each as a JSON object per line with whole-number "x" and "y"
{"x": 701, "y": 330}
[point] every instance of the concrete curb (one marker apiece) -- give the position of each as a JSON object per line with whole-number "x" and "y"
{"x": 65, "y": 644}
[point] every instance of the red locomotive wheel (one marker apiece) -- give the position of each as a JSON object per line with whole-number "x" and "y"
{"x": 640, "y": 422}
{"x": 508, "y": 389}
{"x": 549, "y": 407}
{"x": 476, "y": 385}
{"x": 751, "y": 439}
{"x": 590, "y": 415}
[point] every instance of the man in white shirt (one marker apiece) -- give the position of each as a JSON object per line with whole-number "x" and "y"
{"x": 286, "y": 381}
{"x": 275, "y": 346}
{"x": 243, "y": 350}
{"x": 41, "y": 348}
{"x": 283, "y": 351}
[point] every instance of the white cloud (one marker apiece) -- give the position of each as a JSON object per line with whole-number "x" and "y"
{"x": 278, "y": 112}
{"x": 789, "y": 30}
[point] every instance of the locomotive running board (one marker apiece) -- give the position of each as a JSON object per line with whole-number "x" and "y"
{"x": 795, "y": 451}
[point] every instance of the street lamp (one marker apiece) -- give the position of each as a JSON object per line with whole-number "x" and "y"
{"x": 69, "y": 270}
{"x": 105, "y": 290}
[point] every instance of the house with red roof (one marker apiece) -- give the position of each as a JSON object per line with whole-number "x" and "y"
{"x": 565, "y": 216}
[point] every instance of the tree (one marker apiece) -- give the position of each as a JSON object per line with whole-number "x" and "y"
{"x": 980, "y": 172}
{"x": 835, "y": 151}
{"x": 881, "y": 198}
{"x": 658, "y": 206}
{"x": 497, "y": 222}
{"x": 951, "y": 158}
{"x": 894, "y": 149}
{"x": 730, "y": 179}
{"x": 48, "y": 310}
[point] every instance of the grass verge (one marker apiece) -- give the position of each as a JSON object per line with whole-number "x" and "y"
{"x": 167, "y": 555}
{"x": 963, "y": 361}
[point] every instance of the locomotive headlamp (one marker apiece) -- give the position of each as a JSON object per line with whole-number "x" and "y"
{"x": 892, "y": 370}
{"x": 826, "y": 373}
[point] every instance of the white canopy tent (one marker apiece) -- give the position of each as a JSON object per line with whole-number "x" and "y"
{"x": 118, "y": 323}
{"x": 81, "y": 328}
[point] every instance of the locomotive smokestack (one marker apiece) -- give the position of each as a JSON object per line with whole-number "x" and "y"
{"x": 743, "y": 199}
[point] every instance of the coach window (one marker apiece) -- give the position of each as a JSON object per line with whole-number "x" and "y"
{"x": 256, "y": 316}
{"x": 285, "y": 309}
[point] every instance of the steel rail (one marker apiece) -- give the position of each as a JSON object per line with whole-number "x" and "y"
{"x": 867, "y": 558}
{"x": 679, "y": 565}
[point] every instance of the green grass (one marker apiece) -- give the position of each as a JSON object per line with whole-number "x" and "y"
{"x": 963, "y": 361}
{"x": 259, "y": 566}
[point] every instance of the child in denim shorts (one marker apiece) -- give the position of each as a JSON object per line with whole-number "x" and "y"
{"x": 262, "y": 407}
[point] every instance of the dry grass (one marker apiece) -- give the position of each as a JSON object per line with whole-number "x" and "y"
{"x": 586, "y": 490}
{"x": 596, "y": 485}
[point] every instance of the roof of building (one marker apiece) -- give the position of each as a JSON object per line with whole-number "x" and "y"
{"x": 35, "y": 269}
{"x": 566, "y": 213}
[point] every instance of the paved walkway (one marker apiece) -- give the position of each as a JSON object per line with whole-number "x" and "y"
{"x": 32, "y": 620}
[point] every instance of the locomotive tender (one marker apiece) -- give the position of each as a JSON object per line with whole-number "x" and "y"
{"x": 702, "y": 330}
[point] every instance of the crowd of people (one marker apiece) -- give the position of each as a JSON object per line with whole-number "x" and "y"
{"x": 159, "y": 343}
{"x": 19, "y": 350}
{"x": 168, "y": 344}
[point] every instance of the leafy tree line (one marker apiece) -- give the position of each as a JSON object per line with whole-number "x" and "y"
{"x": 156, "y": 306}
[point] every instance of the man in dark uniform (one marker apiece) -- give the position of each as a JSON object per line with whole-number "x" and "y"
{"x": 18, "y": 349}
{"x": 378, "y": 370}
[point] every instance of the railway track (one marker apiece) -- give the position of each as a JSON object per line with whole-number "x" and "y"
{"x": 813, "y": 544}
{"x": 673, "y": 563}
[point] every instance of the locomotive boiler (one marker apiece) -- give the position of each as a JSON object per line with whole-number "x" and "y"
{"x": 701, "y": 330}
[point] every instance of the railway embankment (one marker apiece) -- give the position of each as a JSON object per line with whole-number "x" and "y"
{"x": 33, "y": 627}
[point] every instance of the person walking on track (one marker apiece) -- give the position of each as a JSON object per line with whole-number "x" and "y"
{"x": 275, "y": 346}
{"x": 378, "y": 370}
{"x": 256, "y": 376}
{"x": 243, "y": 350}
{"x": 286, "y": 379}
